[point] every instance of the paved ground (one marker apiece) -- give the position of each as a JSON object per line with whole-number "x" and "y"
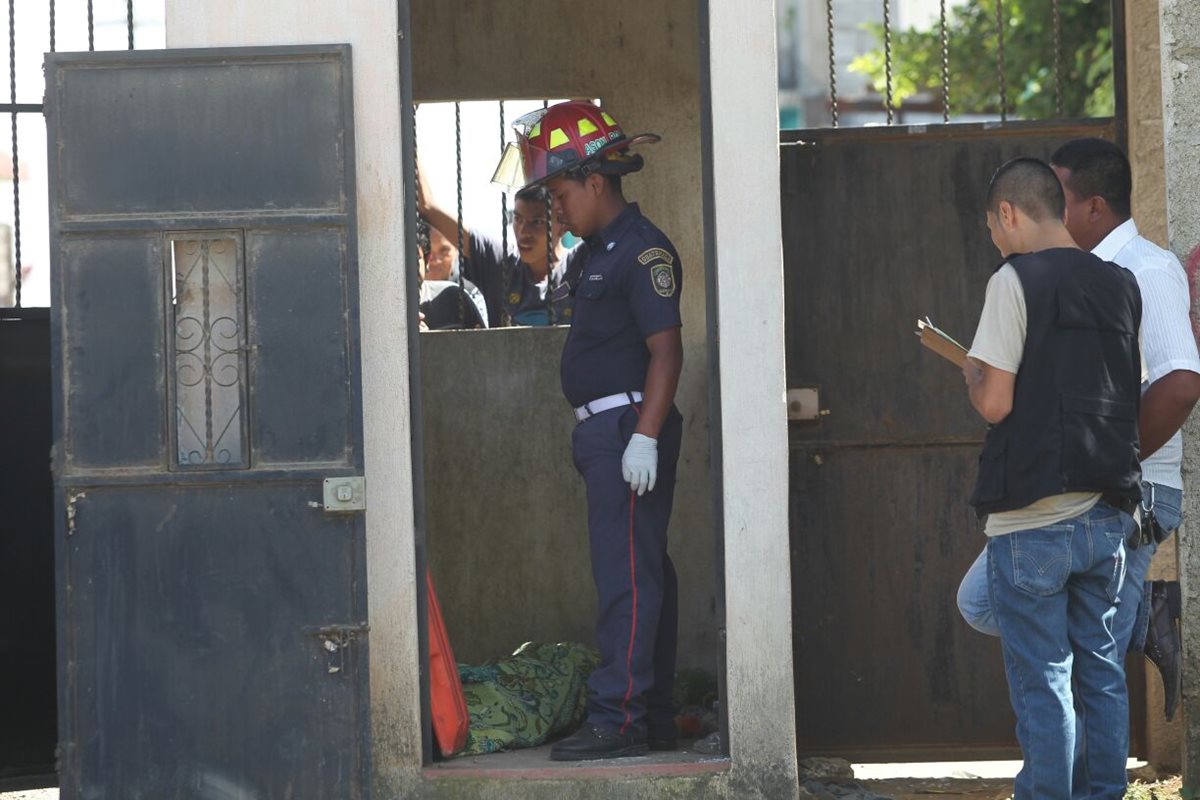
{"x": 898, "y": 788}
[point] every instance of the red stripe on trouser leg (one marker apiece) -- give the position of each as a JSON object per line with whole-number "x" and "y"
{"x": 633, "y": 623}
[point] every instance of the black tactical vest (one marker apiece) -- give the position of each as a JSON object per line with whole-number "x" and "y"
{"x": 1073, "y": 425}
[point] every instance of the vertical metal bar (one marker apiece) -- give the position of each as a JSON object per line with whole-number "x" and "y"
{"x": 945, "y": 31}
{"x": 16, "y": 162}
{"x": 1058, "y": 89}
{"x": 1116, "y": 11}
{"x": 887, "y": 61}
{"x": 1000, "y": 60}
{"x": 129, "y": 20}
{"x": 549, "y": 254}
{"x": 462, "y": 294}
{"x": 506, "y": 270}
{"x": 52, "y": 26}
{"x": 91, "y": 27}
{"x": 503, "y": 194}
{"x": 833, "y": 95}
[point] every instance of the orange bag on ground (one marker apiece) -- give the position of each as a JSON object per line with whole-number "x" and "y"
{"x": 447, "y": 704}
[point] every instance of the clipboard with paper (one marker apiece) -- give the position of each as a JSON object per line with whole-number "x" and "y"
{"x": 940, "y": 342}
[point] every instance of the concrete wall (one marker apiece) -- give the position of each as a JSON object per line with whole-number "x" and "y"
{"x": 1180, "y": 32}
{"x": 369, "y": 26}
{"x": 507, "y": 526}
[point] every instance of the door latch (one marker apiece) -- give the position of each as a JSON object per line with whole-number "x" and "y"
{"x": 335, "y": 639}
{"x": 346, "y": 494}
{"x": 804, "y": 404}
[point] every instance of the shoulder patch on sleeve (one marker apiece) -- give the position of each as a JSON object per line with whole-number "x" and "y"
{"x": 656, "y": 254}
{"x": 662, "y": 276}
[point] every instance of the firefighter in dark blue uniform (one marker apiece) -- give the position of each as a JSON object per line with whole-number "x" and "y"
{"x": 620, "y": 369}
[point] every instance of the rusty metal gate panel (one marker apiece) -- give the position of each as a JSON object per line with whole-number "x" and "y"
{"x": 210, "y": 547}
{"x": 882, "y": 226}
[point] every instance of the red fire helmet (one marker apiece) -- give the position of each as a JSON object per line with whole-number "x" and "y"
{"x": 575, "y": 136}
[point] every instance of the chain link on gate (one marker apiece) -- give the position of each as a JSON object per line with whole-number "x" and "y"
{"x": 945, "y": 37}
{"x": 1000, "y": 61}
{"x": 1058, "y": 93}
{"x": 887, "y": 61}
{"x": 462, "y": 259}
{"x": 833, "y": 95}
{"x": 549, "y": 252}
{"x": 506, "y": 265}
{"x": 16, "y": 161}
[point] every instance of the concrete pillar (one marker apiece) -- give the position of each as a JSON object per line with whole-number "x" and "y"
{"x": 1145, "y": 134}
{"x": 743, "y": 201}
{"x": 370, "y": 26}
{"x": 1180, "y": 31}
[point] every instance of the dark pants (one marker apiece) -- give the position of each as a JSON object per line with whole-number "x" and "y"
{"x": 636, "y": 586}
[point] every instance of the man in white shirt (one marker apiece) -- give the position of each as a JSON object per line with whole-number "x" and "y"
{"x": 1097, "y": 182}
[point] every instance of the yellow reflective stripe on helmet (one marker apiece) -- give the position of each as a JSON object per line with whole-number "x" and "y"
{"x": 586, "y": 126}
{"x": 558, "y": 138}
{"x": 607, "y": 119}
{"x": 535, "y": 131}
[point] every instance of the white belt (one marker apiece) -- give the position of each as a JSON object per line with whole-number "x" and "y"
{"x": 588, "y": 410}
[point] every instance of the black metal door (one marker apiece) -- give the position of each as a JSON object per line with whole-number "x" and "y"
{"x": 881, "y": 227}
{"x": 210, "y": 560}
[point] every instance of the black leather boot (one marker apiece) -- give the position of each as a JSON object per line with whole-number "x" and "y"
{"x": 591, "y": 742}
{"x": 1164, "y": 647}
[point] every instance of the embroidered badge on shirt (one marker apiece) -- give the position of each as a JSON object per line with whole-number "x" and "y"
{"x": 656, "y": 254}
{"x": 663, "y": 278}
{"x": 514, "y": 299}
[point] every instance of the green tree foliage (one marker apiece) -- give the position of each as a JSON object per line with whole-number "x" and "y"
{"x": 1086, "y": 61}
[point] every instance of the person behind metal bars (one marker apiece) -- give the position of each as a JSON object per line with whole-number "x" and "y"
{"x": 443, "y": 304}
{"x": 1055, "y": 368}
{"x": 1098, "y": 184}
{"x": 513, "y": 286}
{"x": 620, "y": 369}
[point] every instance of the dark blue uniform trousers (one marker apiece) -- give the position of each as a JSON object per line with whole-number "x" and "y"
{"x": 637, "y": 589}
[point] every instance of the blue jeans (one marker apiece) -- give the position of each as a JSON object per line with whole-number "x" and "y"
{"x": 975, "y": 605}
{"x": 1054, "y": 595}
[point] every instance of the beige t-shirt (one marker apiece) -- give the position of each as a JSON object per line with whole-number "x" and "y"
{"x": 1000, "y": 341}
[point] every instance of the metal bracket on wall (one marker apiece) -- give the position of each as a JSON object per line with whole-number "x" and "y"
{"x": 346, "y": 494}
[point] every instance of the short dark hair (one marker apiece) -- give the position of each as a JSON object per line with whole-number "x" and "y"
{"x": 1030, "y": 185}
{"x": 535, "y": 194}
{"x": 1098, "y": 168}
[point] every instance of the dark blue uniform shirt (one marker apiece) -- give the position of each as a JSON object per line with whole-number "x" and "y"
{"x": 628, "y": 290}
{"x": 512, "y": 293}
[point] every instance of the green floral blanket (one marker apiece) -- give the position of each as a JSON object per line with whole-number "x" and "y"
{"x": 537, "y": 693}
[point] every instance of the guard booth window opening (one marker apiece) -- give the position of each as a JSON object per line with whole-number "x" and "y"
{"x": 477, "y": 239}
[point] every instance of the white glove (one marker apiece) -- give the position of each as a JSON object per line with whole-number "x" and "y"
{"x": 639, "y": 465}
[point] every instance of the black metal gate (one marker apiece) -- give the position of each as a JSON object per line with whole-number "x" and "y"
{"x": 207, "y": 408}
{"x": 882, "y": 226}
